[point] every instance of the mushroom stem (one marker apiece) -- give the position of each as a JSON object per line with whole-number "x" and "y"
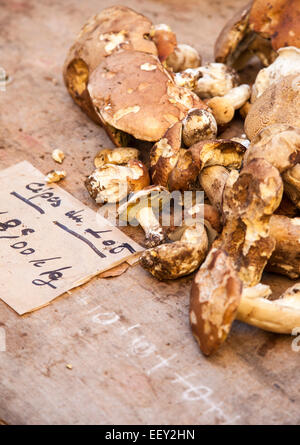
{"x": 153, "y": 231}
{"x": 223, "y": 107}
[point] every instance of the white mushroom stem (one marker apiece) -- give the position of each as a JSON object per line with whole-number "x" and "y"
{"x": 281, "y": 315}
{"x": 153, "y": 231}
{"x": 223, "y": 107}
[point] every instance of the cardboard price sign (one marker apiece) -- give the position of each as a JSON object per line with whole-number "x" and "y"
{"x": 49, "y": 241}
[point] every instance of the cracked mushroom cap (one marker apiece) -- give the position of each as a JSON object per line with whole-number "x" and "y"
{"x": 151, "y": 196}
{"x": 278, "y": 20}
{"x": 111, "y": 183}
{"x": 279, "y": 144}
{"x": 225, "y": 152}
{"x": 134, "y": 93}
{"x": 215, "y": 298}
{"x": 279, "y": 104}
{"x": 281, "y": 315}
{"x": 114, "y": 29}
{"x": 177, "y": 259}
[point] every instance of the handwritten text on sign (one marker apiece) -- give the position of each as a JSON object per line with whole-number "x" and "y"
{"x": 49, "y": 241}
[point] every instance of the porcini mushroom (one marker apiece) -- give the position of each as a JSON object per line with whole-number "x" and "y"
{"x": 115, "y": 29}
{"x": 215, "y": 298}
{"x": 198, "y": 125}
{"x": 183, "y": 57}
{"x": 213, "y": 180}
{"x": 164, "y": 39}
{"x": 223, "y": 107}
{"x": 111, "y": 183}
{"x": 134, "y": 93}
{"x": 177, "y": 259}
{"x": 140, "y": 207}
{"x": 212, "y": 79}
{"x": 287, "y": 63}
{"x": 249, "y": 200}
{"x": 118, "y": 156}
{"x": 286, "y": 257}
{"x": 279, "y": 104}
{"x": 291, "y": 180}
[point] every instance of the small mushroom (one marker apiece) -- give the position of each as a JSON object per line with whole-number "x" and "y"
{"x": 111, "y": 183}
{"x": 286, "y": 257}
{"x": 213, "y": 180}
{"x": 140, "y": 207}
{"x": 198, "y": 125}
{"x": 287, "y": 63}
{"x": 215, "y": 298}
{"x": 281, "y": 315}
{"x": 183, "y": 57}
{"x": 212, "y": 79}
{"x": 132, "y": 92}
{"x": 279, "y": 104}
{"x": 249, "y": 200}
{"x": 118, "y": 156}
{"x": 223, "y": 107}
{"x": 177, "y": 259}
{"x": 164, "y": 39}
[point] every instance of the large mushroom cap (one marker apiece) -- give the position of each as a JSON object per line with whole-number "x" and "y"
{"x": 279, "y": 104}
{"x": 114, "y": 29}
{"x": 131, "y": 91}
{"x": 278, "y": 20}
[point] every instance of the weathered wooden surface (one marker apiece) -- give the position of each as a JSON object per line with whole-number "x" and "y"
{"x": 127, "y": 338}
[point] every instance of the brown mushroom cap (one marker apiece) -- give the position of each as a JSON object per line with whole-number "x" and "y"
{"x": 164, "y": 39}
{"x": 164, "y": 155}
{"x": 279, "y": 104}
{"x": 249, "y": 201}
{"x": 232, "y": 34}
{"x": 215, "y": 298}
{"x": 114, "y": 29}
{"x": 278, "y": 20}
{"x": 132, "y": 92}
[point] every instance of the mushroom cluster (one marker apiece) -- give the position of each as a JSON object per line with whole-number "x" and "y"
{"x": 159, "y": 103}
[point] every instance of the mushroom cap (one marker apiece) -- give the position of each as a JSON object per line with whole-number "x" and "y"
{"x": 133, "y": 92}
{"x": 152, "y": 196}
{"x": 287, "y": 63}
{"x": 174, "y": 260}
{"x": 183, "y": 57}
{"x": 164, "y": 155}
{"x": 164, "y": 39}
{"x": 114, "y": 29}
{"x": 279, "y": 144}
{"x": 215, "y": 298}
{"x": 279, "y": 104}
{"x": 278, "y": 20}
{"x": 184, "y": 175}
{"x": 225, "y": 152}
{"x": 198, "y": 125}
{"x": 232, "y": 34}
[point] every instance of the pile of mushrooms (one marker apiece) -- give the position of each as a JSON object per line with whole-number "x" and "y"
{"x": 158, "y": 103}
